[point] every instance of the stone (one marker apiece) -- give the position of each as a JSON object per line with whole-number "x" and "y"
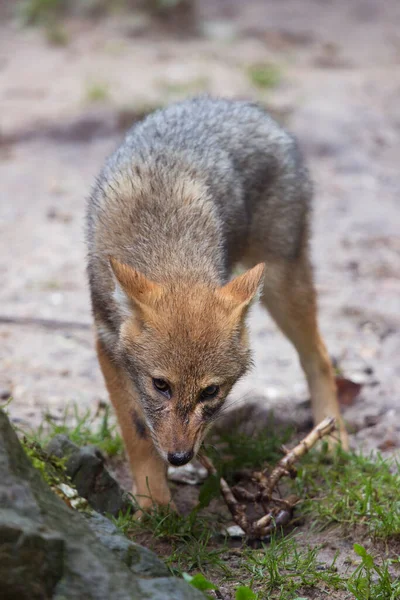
{"x": 86, "y": 468}
{"x": 191, "y": 474}
{"x": 35, "y": 569}
{"x": 165, "y": 587}
{"x": 139, "y": 560}
{"x": 49, "y": 551}
{"x": 5, "y": 393}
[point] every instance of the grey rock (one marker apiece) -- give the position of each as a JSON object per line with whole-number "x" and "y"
{"x": 221, "y": 30}
{"x": 139, "y": 560}
{"x": 86, "y": 468}
{"x": 192, "y": 473}
{"x": 167, "y": 587}
{"x": 5, "y": 393}
{"x": 33, "y": 571}
{"x": 48, "y": 551}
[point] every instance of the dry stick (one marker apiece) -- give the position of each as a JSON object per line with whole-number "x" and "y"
{"x": 242, "y": 494}
{"x": 283, "y": 467}
{"x": 237, "y": 510}
{"x": 266, "y": 524}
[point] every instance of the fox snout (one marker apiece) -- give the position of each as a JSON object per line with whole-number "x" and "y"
{"x": 178, "y": 459}
{"x": 178, "y": 440}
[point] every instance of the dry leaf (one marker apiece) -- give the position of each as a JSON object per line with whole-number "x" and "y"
{"x": 347, "y": 391}
{"x": 388, "y": 444}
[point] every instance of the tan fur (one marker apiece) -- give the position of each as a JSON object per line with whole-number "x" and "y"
{"x": 290, "y": 298}
{"x": 160, "y": 328}
{"x": 194, "y": 190}
{"x": 148, "y": 468}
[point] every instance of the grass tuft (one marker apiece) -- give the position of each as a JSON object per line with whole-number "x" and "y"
{"x": 35, "y": 12}
{"x": 233, "y": 450}
{"x": 371, "y": 581}
{"x": 97, "y": 92}
{"x": 287, "y": 567}
{"x": 190, "y": 540}
{"x": 83, "y": 428}
{"x": 264, "y": 76}
{"x": 56, "y": 34}
{"x": 181, "y": 89}
{"x": 52, "y": 469}
{"x": 353, "y": 490}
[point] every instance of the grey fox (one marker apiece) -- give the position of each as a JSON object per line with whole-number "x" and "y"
{"x": 194, "y": 189}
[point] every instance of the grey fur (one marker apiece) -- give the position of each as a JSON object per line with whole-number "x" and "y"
{"x": 251, "y": 203}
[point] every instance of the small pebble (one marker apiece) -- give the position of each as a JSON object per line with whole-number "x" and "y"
{"x": 5, "y": 394}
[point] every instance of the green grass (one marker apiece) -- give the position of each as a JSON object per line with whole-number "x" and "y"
{"x": 360, "y": 493}
{"x": 39, "y": 12}
{"x": 371, "y": 581}
{"x": 56, "y": 34}
{"x": 189, "y": 538}
{"x": 234, "y": 450}
{"x": 165, "y": 4}
{"x": 97, "y": 91}
{"x": 83, "y": 428}
{"x": 353, "y": 490}
{"x": 286, "y": 566}
{"x": 47, "y": 14}
{"x": 285, "y": 569}
{"x": 192, "y": 86}
{"x": 347, "y": 488}
{"x": 51, "y": 468}
{"x": 34, "y": 12}
{"x": 50, "y": 14}
{"x": 357, "y": 494}
{"x": 264, "y": 76}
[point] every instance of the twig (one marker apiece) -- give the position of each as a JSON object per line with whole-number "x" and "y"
{"x": 280, "y": 515}
{"x": 284, "y": 466}
{"x": 237, "y": 510}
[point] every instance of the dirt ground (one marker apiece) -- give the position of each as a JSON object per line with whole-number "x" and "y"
{"x": 339, "y": 90}
{"x": 62, "y": 109}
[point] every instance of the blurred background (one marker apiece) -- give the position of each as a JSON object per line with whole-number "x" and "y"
{"x": 74, "y": 74}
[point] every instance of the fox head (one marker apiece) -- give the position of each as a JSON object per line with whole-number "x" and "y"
{"x": 183, "y": 346}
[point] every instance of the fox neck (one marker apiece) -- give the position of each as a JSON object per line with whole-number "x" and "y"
{"x": 178, "y": 233}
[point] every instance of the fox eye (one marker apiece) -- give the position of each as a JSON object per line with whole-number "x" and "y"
{"x": 162, "y": 386}
{"x": 209, "y": 392}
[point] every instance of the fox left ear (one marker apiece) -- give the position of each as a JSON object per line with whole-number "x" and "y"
{"x": 241, "y": 290}
{"x": 133, "y": 289}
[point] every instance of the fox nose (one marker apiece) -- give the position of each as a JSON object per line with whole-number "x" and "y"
{"x": 180, "y": 458}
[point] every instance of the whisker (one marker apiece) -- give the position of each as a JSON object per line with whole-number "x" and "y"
{"x": 229, "y": 405}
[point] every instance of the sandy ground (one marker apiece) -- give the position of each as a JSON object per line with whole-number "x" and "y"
{"x": 339, "y": 93}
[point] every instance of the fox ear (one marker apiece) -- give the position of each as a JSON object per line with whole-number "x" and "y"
{"x": 241, "y": 290}
{"x": 132, "y": 288}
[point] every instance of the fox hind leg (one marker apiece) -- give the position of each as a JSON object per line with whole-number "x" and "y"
{"x": 289, "y": 296}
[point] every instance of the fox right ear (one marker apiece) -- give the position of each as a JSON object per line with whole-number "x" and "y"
{"x": 133, "y": 289}
{"x": 241, "y": 290}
